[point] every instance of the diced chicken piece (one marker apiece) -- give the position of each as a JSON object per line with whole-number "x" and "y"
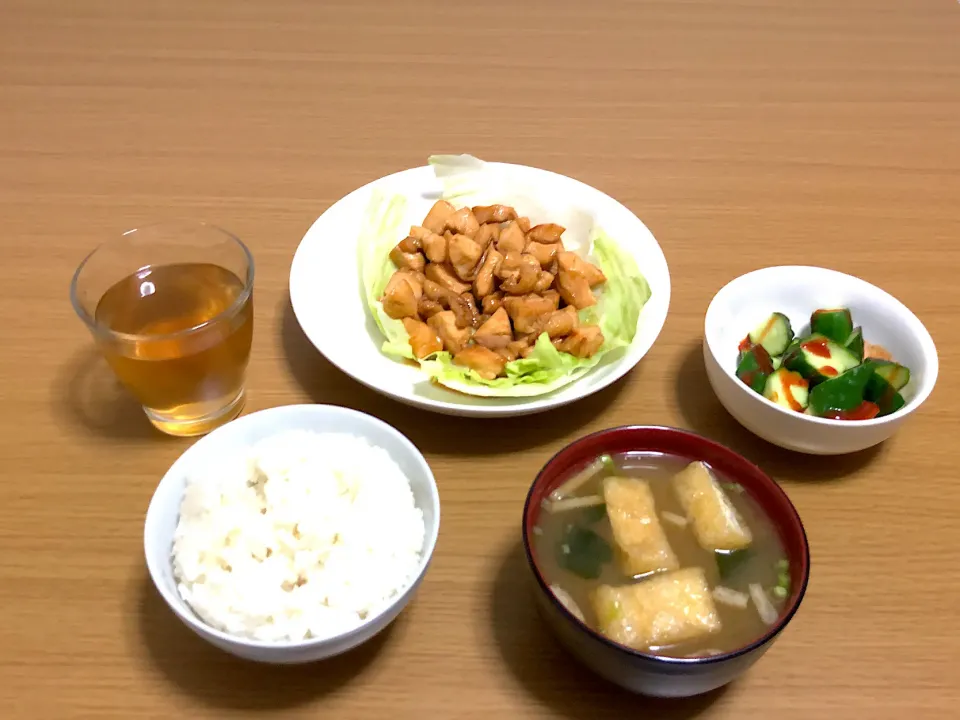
{"x": 573, "y": 285}
{"x": 511, "y": 239}
{"x": 435, "y": 247}
{"x": 641, "y": 541}
{"x": 545, "y": 254}
{"x": 436, "y": 219}
{"x": 486, "y": 235}
{"x": 582, "y": 342}
{"x": 507, "y": 353}
{"x": 571, "y": 261}
{"x": 427, "y": 308}
{"x": 494, "y": 213}
{"x": 444, "y": 324}
{"x": 521, "y": 347}
{"x": 463, "y": 222}
{"x": 436, "y": 292}
{"x": 524, "y": 223}
{"x": 442, "y": 275}
{"x": 464, "y": 255}
{"x": 547, "y": 233}
{"x": 496, "y": 332}
{"x": 716, "y": 523}
{"x": 413, "y": 261}
{"x": 423, "y": 340}
{"x": 492, "y": 302}
{"x": 527, "y": 311}
{"x": 562, "y": 322}
{"x": 510, "y": 266}
{"x": 419, "y": 232}
{"x": 525, "y": 280}
{"x": 486, "y": 363}
{"x": 663, "y": 610}
{"x": 401, "y": 295}
{"x": 544, "y": 282}
{"x": 553, "y": 297}
{"x": 410, "y": 244}
{"x": 464, "y": 308}
{"x": 484, "y": 284}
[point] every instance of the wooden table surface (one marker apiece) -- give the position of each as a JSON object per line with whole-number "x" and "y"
{"x": 743, "y": 133}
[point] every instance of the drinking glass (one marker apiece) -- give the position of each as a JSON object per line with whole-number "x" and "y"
{"x": 170, "y": 307}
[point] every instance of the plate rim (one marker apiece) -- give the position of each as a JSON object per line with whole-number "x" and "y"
{"x": 534, "y": 404}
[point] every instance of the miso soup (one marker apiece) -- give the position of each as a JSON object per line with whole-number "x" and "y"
{"x": 662, "y": 555}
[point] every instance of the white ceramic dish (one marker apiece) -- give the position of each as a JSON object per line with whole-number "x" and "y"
{"x": 797, "y": 291}
{"x": 164, "y": 510}
{"x": 324, "y": 277}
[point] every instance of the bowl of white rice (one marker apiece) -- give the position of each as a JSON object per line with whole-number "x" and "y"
{"x": 293, "y": 534}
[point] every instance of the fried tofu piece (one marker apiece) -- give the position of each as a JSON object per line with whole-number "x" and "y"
{"x": 486, "y": 363}
{"x": 716, "y": 523}
{"x": 436, "y": 219}
{"x": 492, "y": 302}
{"x": 423, "y": 340}
{"x": 636, "y": 528}
{"x": 664, "y": 610}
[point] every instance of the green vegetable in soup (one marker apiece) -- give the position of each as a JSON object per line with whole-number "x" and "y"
{"x": 593, "y": 514}
{"x": 729, "y": 561}
{"x": 782, "y": 589}
{"x": 583, "y": 552}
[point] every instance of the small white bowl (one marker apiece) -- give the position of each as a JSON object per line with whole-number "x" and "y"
{"x": 797, "y": 291}
{"x": 164, "y": 511}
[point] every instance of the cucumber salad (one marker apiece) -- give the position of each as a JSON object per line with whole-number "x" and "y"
{"x": 830, "y": 372}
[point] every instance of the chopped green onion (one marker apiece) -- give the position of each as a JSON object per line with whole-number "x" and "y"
{"x": 780, "y": 592}
{"x": 732, "y": 487}
{"x": 608, "y": 463}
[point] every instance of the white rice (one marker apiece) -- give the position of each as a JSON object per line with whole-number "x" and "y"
{"x": 303, "y": 537}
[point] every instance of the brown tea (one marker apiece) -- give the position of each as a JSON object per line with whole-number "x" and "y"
{"x": 179, "y": 343}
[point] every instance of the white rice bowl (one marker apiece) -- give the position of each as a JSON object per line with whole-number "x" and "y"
{"x": 304, "y": 536}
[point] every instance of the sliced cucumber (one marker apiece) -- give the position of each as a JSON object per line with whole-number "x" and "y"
{"x": 897, "y": 375}
{"x": 754, "y": 367}
{"x": 787, "y": 389}
{"x": 836, "y": 324}
{"x": 777, "y": 362}
{"x": 818, "y": 358}
{"x": 854, "y": 343}
{"x": 882, "y": 393}
{"x": 774, "y": 334}
{"x": 844, "y": 392}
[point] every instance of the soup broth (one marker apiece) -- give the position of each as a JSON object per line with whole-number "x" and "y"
{"x": 594, "y": 555}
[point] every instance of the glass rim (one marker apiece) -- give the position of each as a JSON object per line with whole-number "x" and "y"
{"x": 99, "y": 328}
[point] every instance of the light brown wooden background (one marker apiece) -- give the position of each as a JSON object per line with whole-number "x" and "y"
{"x": 744, "y": 133}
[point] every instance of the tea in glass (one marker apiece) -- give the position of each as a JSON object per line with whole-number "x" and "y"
{"x": 171, "y": 309}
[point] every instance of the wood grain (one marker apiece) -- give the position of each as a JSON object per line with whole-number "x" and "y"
{"x": 744, "y": 133}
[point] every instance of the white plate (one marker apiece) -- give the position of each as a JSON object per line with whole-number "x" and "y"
{"x": 326, "y": 294}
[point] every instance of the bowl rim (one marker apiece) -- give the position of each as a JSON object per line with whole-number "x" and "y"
{"x": 544, "y": 588}
{"x": 925, "y": 340}
{"x": 188, "y": 615}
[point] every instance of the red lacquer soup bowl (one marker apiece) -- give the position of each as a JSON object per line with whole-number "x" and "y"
{"x": 645, "y": 673}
